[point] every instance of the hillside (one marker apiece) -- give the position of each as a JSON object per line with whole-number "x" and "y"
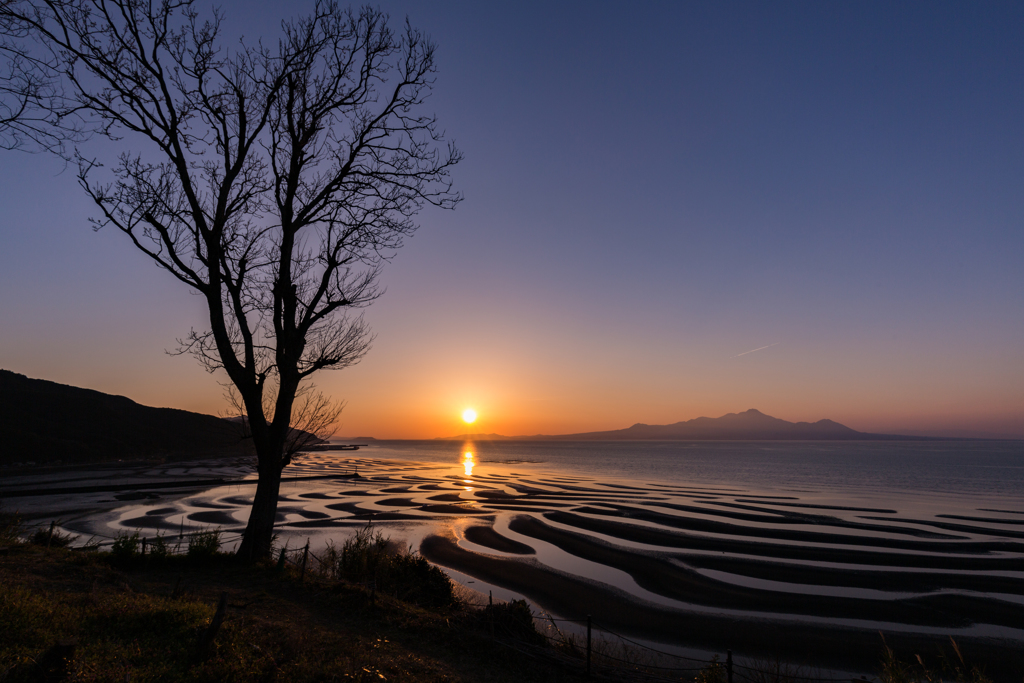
{"x": 46, "y": 422}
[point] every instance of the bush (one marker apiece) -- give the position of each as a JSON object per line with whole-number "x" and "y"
{"x": 370, "y": 558}
{"x": 52, "y": 537}
{"x": 158, "y": 547}
{"x": 204, "y": 544}
{"x": 126, "y": 546}
{"x": 714, "y": 672}
{"x": 10, "y": 529}
{"x": 513, "y": 619}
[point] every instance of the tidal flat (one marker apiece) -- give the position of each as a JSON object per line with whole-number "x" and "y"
{"x": 812, "y": 575}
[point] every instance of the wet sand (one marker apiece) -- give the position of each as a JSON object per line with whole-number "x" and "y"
{"x": 758, "y": 572}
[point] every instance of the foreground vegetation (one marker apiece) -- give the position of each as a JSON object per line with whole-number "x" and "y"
{"x": 364, "y": 611}
{"x": 116, "y": 616}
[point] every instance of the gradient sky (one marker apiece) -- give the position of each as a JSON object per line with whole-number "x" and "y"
{"x": 651, "y": 192}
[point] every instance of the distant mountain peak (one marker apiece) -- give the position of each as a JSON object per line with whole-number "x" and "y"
{"x": 749, "y": 425}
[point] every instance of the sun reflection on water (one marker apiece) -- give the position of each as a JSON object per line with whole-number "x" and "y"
{"x": 467, "y": 462}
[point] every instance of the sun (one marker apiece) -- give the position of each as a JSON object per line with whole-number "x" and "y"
{"x": 469, "y": 416}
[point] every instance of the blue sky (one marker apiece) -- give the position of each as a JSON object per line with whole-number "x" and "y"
{"x": 650, "y": 191}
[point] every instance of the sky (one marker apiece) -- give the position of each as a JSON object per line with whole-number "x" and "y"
{"x": 671, "y": 210}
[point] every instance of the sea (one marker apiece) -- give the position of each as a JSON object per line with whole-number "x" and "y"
{"x": 968, "y": 470}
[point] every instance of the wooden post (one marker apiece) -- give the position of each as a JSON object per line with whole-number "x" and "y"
{"x": 588, "y": 644}
{"x": 728, "y": 666}
{"x": 218, "y": 618}
{"x": 305, "y": 557}
{"x": 280, "y": 561}
{"x": 50, "y": 536}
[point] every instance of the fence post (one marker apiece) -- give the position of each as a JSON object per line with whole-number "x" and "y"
{"x": 728, "y": 666}
{"x": 211, "y": 632}
{"x": 588, "y": 645}
{"x": 305, "y": 556}
{"x": 50, "y": 537}
{"x": 280, "y": 561}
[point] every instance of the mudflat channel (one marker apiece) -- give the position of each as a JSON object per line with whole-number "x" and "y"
{"x": 763, "y": 573}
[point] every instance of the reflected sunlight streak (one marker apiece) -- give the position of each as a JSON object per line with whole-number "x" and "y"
{"x": 467, "y": 462}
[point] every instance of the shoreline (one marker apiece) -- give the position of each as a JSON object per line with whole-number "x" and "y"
{"x": 682, "y": 563}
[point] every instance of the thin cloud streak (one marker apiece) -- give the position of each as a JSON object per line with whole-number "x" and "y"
{"x": 760, "y": 349}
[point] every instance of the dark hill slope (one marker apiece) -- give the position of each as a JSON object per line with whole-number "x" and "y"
{"x": 46, "y": 422}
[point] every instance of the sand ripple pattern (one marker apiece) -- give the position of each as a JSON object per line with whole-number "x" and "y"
{"x": 647, "y": 558}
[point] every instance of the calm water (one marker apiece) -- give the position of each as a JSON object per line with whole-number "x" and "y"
{"x": 972, "y": 469}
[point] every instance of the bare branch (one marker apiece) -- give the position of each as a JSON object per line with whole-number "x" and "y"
{"x": 274, "y": 183}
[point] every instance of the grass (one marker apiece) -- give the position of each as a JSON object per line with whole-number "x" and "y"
{"x": 949, "y": 666}
{"x": 142, "y": 619}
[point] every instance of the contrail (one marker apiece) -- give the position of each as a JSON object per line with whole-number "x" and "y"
{"x": 760, "y": 349}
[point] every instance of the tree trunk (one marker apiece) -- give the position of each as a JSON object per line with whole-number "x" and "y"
{"x": 259, "y": 532}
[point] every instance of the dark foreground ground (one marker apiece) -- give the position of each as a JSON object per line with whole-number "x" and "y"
{"x": 146, "y": 623}
{"x": 146, "y": 620}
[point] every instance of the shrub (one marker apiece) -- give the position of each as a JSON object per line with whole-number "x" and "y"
{"x": 52, "y": 537}
{"x": 204, "y": 544}
{"x": 714, "y": 672}
{"x": 126, "y": 546}
{"x": 10, "y": 529}
{"x": 513, "y": 619}
{"x": 370, "y": 558}
{"x": 158, "y": 547}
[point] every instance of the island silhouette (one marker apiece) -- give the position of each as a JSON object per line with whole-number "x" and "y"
{"x": 750, "y": 425}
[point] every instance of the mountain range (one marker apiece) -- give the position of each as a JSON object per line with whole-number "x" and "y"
{"x": 751, "y": 425}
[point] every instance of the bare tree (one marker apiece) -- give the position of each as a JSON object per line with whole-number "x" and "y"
{"x": 33, "y": 111}
{"x": 275, "y": 183}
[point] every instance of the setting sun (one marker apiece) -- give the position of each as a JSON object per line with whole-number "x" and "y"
{"x": 469, "y": 415}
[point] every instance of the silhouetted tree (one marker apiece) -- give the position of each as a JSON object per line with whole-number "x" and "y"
{"x": 274, "y": 183}
{"x": 33, "y": 111}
